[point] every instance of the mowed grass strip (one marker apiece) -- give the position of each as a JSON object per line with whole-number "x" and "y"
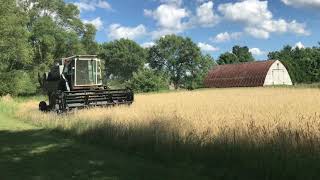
{"x": 31, "y": 152}
{"x": 10, "y": 124}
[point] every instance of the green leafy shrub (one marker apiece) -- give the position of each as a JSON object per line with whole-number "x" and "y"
{"x": 6, "y": 85}
{"x": 146, "y": 80}
{"x": 17, "y": 83}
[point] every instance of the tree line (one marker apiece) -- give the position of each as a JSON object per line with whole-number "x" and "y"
{"x": 173, "y": 60}
{"x": 33, "y": 34}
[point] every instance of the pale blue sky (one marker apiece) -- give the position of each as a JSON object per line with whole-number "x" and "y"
{"x": 215, "y": 25}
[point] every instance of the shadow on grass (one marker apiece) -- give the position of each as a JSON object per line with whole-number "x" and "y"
{"x": 281, "y": 156}
{"x": 43, "y": 154}
{"x": 99, "y": 154}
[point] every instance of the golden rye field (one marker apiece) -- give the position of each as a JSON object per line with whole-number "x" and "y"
{"x": 258, "y": 116}
{"x": 241, "y": 133}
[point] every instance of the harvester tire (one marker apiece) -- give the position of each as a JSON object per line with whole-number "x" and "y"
{"x": 43, "y": 106}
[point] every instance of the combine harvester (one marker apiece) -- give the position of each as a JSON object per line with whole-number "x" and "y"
{"x": 76, "y": 82}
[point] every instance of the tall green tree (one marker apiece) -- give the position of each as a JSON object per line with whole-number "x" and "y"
{"x": 65, "y": 15}
{"x": 238, "y": 55}
{"x": 55, "y": 29}
{"x": 179, "y": 58}
{"x": 122, "y": 58}
{"x": 228, "y": 58}
{"x": 243, "y": 53}
{"x": 43, "y": 39}
{"x": 195, "y": 78}
{"x": 15, "y": 50}
{"x": 88, "y": 40}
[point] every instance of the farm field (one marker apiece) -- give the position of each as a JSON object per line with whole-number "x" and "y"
{"x": 243, "y": 133}
{"x": 31, "y": 152}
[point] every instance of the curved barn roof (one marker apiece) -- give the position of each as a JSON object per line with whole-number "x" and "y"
{"x": 250, "y": 74}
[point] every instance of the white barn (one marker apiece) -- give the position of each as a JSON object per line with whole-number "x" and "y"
{"x": 250, "y": 74}
{"x": 277, "y": 75}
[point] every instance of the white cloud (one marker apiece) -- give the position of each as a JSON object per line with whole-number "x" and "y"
{"x": 103, "y": 5}
{"x": 298, "y": 28}
{"x": 116, "y": 31}
{"x": 87, "y": 5}
{"x": 97, "y": 22}
{"x": 257, "y": 51}
{"x": 299, "y": 45}
{"x": 169, "y": 18}
{"x": 303, "y": 3}
{"x": 147, "y": 44}
{"x": 225, "y": 36}
{"x": 172, "y": 18}
{"x": 206, "y": 16}
{"x": 258, "y": 20}
{"x": 257, "y": 33}
{"x": 247, "y": 11}
{"x": 207, "y": 47}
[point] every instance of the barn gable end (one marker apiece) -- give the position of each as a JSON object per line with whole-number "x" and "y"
{"x": 277, "y": 75}
{"x": 251, "y": 74}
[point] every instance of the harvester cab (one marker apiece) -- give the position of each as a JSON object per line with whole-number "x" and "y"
{"x": 76, "y": 82}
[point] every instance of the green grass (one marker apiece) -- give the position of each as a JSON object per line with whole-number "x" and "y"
{"x": 9, "y": 124}
{"x": 29, "y": 152}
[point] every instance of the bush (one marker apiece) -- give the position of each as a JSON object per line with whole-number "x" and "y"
{"x": 147, "y": 80}
{"x": 17, "y": 83}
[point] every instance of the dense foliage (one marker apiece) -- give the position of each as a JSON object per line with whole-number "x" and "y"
{"x": 147, "y": 80}
{"x": 122, "y": 58}
{"x": 180, "y": 59}
{"x": 173, "y": 60}
{"x": 238, "y": 55}
{"x": 303, "y": 63}
{"x": 15, "y": 50}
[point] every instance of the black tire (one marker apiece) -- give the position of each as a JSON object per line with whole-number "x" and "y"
{"x": 130, "y": 95}
{"x": 43, "y": 106}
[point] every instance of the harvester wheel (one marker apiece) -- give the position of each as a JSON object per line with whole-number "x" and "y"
{"x": 43, "y": 106}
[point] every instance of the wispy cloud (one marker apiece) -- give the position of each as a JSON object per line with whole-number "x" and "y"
{"x": 258, "y": 19}
{"x": 87, "y": 5}
{"x": 257, "y": 51}
{"x": 207, "y": 47}
{"x": 117, "y": 31}
{"x": 226, "y": 36}
{"x": 97, "y": 22}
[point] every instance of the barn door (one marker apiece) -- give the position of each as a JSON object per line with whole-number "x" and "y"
{"x": 278, "y": 76}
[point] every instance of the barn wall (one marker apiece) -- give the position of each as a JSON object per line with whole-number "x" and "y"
{"x": 277, "y": 75}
